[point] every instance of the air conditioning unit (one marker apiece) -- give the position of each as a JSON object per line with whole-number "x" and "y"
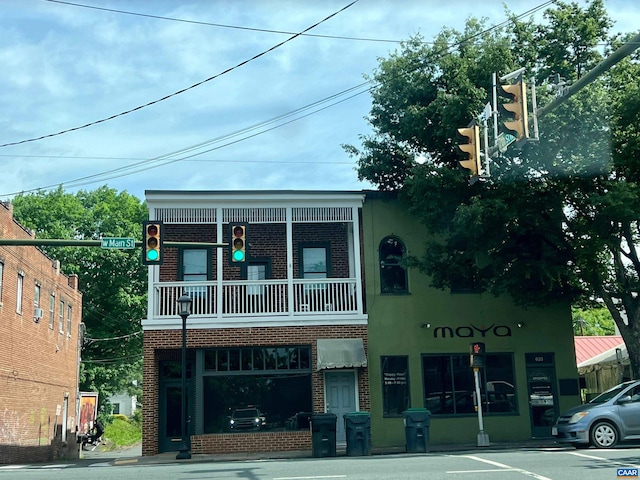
{"x": 37, "y": 313}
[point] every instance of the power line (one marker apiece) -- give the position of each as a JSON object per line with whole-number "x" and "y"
{"x": 166, "y": 97}
{"x": 154, "y": 162}
{"x": 220, "y": 25}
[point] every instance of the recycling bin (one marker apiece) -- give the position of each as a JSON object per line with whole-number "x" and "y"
{"x": 358, "y": 429}
{"x": 323, "y": 434}
{"x": 416, "y": 429}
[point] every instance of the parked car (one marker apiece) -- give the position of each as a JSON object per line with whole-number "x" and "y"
{"x": 612, "y": 417}
{"x": 246, "y": 419}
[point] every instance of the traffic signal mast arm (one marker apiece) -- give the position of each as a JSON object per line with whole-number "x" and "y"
{"x": 58, "y": 242}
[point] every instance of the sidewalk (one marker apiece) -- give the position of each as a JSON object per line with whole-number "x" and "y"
{"x": 133, "y": 454}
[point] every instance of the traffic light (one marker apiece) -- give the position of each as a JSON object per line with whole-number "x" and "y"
{"x": 152, "y": 248}
{"x": 476, "y": 349}
{"x": 516, "y": 106}
{"x": 238, "y": 246}
{"x": 472, "y": 148}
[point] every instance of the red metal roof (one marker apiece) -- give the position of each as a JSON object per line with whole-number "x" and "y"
{"x": 589, "y": 346}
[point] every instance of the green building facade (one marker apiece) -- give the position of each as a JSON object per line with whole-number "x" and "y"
{"x": 419, "y": 342}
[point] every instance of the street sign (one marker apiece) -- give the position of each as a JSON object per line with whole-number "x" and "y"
{"x": 504, "y": 140}
{"x": 118, "y": 242}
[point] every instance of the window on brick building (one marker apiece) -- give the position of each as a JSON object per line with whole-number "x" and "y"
{"x": 52, "y": 308}
{"x": 195, "y": 266}
{"x": 1, "y": 277}
{"x": 275, "y": 380}
{"x": 19, "y": 292}
{"x": 69, "y": 312}
{"x": 314, "y": 261}
{"x": 393, "y": 272}
{"x": 61, "y": 317}
{"x": 36, "y": 296}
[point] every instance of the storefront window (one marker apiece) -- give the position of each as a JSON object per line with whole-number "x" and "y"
{"x": 272, "y": 384}
{"x": 449, "y": 386}
{"x": 395, "y": 385}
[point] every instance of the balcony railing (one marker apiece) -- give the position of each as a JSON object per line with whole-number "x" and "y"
{"x": 259, "y": 298}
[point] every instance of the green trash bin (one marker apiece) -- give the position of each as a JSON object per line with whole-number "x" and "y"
{"x": 323, "y": 434}
{"x": 416, "y": 429}
{"x": 358, "y": 429}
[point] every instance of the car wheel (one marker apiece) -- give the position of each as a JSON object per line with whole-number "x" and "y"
{"x": 604, "y": 435}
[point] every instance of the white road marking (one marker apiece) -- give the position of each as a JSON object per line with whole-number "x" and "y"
{"x": 506, "y": 468}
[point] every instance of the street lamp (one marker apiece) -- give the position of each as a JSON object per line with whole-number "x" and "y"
{"x": 184, "y": 309}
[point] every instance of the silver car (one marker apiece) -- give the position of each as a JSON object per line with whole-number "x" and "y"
{"x": 611, "y": 417}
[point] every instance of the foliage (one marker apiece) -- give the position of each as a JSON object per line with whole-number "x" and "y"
{"x": 113, "y": 282}
{"x": 592, "y": 321}
{"x": 557, "y": 220}
{"x": 122, "y": 432}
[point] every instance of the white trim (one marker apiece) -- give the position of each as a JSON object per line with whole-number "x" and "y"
{"x": 209, "y": 323}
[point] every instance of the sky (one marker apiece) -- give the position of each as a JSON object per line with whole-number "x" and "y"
{"x": 204, "y": 98}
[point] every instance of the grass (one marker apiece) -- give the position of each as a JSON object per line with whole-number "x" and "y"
{"x": 122, "y": 432}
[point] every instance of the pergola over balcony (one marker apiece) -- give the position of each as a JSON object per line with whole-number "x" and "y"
{"x": 223, "y": 302}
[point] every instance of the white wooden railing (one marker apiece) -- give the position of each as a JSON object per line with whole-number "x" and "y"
{"x": 330, "y": 296}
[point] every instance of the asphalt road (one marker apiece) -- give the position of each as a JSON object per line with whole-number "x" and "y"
{"x": 547, "y": 463}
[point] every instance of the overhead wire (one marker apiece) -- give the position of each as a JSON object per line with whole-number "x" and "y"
{"x": 178, "y": 92}
{"x": 221, "y": 25}
{"x": 119, "y": 172}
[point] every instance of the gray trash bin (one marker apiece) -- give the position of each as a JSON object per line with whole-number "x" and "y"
{"x": 358, "y": 429}
{"x": 323, "y": 434}
{"x": 416, "y": 429}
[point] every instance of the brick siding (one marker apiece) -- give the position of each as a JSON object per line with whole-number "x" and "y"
{"x": 38, "y": 365}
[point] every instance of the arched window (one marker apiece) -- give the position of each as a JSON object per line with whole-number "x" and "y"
{"x": 393, "y": 272}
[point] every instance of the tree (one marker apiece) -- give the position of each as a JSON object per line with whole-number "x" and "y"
{"x": 592, "y": 321}
{"x": 558, "y": 218}
{"x": 113, "y": 282}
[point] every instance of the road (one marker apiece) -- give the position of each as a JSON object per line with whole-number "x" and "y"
{"x": 553, "y": 463}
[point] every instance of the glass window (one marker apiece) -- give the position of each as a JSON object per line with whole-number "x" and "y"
{"x": 314, "y": 262}
{"x": 36, "y": 296}
{"x": 19, "y": 293}
{"x": 52, "y": 307}
{"x": 69, "y": 312}
{"x": 393, "y": 273}
{"x": 395, "y": 385}
{"x": 449, "y": 386}
{"x": 1, "y": 277}
{"x": 195, "y": 268}
{"x": 61, "y": 317}
{"x": 278, "y": 387}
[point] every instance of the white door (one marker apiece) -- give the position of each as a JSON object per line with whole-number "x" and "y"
{"x": 340, "y": 396}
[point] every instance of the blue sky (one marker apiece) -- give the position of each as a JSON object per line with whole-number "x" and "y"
{"x": 65, "y": 66}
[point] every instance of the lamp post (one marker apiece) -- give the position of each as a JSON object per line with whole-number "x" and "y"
{"x": 184, "y": 308}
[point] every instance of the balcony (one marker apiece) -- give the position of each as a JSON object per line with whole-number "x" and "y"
{"x": 233, "y": 303}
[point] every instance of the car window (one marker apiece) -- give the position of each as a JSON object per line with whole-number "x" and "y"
{"x": 609, "y": 394}
{"x": 245, "y": 413}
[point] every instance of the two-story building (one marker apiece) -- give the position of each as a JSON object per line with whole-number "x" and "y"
{"x": 40, "y": 316}
{"x": 326, "y": 316}
{"x": 284, "y": 333}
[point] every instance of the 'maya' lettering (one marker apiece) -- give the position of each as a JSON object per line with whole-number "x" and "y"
{"x": 471, "y": 331}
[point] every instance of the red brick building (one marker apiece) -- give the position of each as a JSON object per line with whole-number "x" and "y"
{"x": 284, "y": 333}
{"x": 40, "y": 315}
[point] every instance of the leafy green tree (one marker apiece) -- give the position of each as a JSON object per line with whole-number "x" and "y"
{"x": 113, "y": 282}
{"x": 592, "y": 321}
{"x": 558, "y": 218}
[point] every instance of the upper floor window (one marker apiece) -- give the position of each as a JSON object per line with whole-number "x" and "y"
{"x": 36, "y": 296}
{"x": 194, "y": 265}
{"x": 52, "y": 308}
{"x": 69, "y": 312}
{"x": 19, "y": 292}
{"x": 314, "y": 261}
{"x": 61, "y": 317}
{"x": 1, "y": 276}
{"x": 393, "y": 273}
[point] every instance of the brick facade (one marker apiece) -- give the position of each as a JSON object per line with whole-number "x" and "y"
{"x": 160, "y": 345}
{"x": 38, "y": 364}
{"x": 268, "y": 242}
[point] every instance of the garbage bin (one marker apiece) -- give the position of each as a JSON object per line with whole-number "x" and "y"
{"x": 358, "y": 429}
{"x": 323, "y": 434}
{"x": 416, "y": 429}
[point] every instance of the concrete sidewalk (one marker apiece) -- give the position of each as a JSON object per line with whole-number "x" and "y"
{"x": 133, "y": 454}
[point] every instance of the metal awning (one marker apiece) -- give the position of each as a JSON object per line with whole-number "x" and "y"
{"x": 341, "y": 353}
